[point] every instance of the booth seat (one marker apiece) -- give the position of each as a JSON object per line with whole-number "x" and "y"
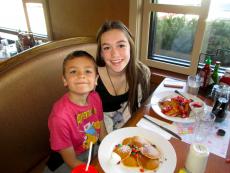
{"x": 30, "y": 83}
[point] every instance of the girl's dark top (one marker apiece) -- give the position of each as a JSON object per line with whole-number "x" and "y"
{"x": 110, "y": 103}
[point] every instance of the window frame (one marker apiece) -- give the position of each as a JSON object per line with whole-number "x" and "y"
{"x": 140, "y": 11}
{"x": 47, "y": 20}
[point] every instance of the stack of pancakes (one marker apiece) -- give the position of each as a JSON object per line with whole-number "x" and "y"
{"x": 138, "y": 152}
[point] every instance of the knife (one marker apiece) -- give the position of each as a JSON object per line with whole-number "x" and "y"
{"x": 165, "y": 129}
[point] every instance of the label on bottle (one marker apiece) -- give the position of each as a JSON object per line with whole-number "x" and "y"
{"x": 205, "y": 76}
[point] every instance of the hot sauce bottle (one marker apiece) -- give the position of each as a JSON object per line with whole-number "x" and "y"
{"x": 205, "y": 73}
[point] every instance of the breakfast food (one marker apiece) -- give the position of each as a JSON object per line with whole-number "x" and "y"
{"x": 197, "y": 107}
{"x": 138, "y": 152}
{"x": 115, "y": 158}
{"x": 177, "y": 106}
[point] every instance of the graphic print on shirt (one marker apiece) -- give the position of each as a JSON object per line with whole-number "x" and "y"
{"x": 89, "y": 129}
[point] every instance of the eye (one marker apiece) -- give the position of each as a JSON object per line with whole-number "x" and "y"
{"x": 104, "y": 48}
{"x": 121, "y": 45}
{"x": 88, "y": 71}
{"x": 72, "y": 71}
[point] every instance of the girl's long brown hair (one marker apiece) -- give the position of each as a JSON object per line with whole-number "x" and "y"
{"x": 134, "y": 74}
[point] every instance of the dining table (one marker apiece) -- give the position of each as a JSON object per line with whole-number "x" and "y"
{"x": 215, "y": 163}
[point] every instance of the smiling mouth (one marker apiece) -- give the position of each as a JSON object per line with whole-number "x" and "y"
{"x": 116, "y": 61}
{"x": 81, "y": 83}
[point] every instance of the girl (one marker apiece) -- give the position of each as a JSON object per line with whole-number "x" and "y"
{"x": 123, "y": 82}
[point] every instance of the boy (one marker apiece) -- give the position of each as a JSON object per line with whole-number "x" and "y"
{"x": 77, "y": 117}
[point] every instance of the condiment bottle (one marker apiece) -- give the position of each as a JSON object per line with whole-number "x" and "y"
{"x": 205, "y": 73}
{"x": 225, "y": 79}
{"x": 221, "y": 103}
{"x": 215, "y": 74}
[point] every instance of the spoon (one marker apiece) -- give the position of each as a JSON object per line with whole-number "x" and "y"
{"x": 176, "y": 91}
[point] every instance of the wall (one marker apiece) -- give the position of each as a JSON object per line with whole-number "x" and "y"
{"x": 72, "y": 18}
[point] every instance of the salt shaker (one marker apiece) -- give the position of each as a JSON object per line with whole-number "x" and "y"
{"x": 197, "y": 158}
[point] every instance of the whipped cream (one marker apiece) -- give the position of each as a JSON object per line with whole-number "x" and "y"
{"x": 115, "y": 158}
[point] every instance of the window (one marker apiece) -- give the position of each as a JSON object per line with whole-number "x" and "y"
{"x": 26, "y": 16}
{"x": 174, "y": 33}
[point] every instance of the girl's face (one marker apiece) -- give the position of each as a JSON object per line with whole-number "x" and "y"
{"x": 115, "y": 49}
{"x": 80, "y": 75}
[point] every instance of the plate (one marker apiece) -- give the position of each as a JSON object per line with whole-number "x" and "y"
{"x": 169, "y": 94}
{"x": 107, "y": 145}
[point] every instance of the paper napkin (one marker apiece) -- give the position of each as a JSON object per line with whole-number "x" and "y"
{"x": 143, "y": 123}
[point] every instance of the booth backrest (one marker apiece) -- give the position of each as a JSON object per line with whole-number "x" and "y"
{"x": 29, "y": 85}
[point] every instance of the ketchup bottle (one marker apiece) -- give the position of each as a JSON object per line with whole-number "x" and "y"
{"x": 205, "y": 73}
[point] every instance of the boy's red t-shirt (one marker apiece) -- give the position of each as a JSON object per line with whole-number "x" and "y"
{"x": 74, "y": 125}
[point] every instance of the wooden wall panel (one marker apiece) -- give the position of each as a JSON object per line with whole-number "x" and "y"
{"x": 74, "y": 18}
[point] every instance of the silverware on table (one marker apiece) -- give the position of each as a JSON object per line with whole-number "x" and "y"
{"x": 164, "y": 128}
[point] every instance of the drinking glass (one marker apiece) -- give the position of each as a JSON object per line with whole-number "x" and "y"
{"x": 82, "y": 169}
{"x": 193, "y": 84}
{"x": 203, "y": 125}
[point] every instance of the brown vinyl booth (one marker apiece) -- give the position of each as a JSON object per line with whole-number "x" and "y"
{"x": 30, "y": 83}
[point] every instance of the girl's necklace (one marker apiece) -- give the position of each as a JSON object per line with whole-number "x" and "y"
{"x": 112, "y": 82}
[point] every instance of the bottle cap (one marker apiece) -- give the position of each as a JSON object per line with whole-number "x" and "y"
{"x": 208, "y": 60}
{"x": 218, "y": 62}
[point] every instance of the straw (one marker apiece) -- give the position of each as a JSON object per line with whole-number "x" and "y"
{"x": 89, "y": 156}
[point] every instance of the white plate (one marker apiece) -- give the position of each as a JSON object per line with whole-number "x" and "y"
{"x": 107, "y": 145}
{"x": 169, "y": 94}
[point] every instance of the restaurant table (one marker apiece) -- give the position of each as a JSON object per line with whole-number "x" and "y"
{"x": 215, "y": 163}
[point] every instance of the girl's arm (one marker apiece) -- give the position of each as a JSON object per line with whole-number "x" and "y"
{"x": 69, "y": 157}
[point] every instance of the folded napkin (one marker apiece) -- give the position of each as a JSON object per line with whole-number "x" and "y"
{"x": 173, "y": 83}
{"x": 143, "y": 123}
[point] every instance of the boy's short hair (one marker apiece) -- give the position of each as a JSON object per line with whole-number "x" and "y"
{"x": 76, "y": 54}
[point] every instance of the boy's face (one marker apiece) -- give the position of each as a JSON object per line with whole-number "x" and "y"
{"x": 80, "y": 75}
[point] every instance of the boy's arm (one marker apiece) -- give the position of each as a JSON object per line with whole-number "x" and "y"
{"x": 69, "y": 157}
{"x": 103, "y": 131}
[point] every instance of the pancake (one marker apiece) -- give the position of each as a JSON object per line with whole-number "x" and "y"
{"x": 147, "y": 163}
{"x": 123, "y": 151}
{"x": 139, "y": 142}
{"x": 127, "y": 141}
{"x": 150, "y": 151}
{"x": 138, "y": 152}
{"x": 130, "y": 161}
